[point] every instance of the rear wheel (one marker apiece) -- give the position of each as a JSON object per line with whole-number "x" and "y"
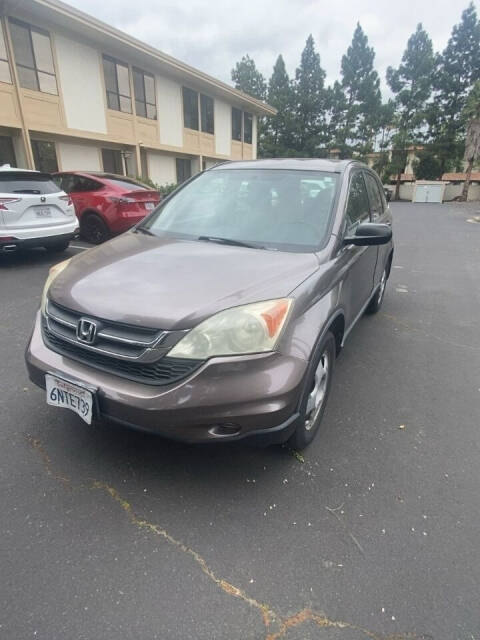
{"x": 93, "y": 229}
{"x": 376, "y": 301}
{"x": 315, "y": 394}
{"x": 57, "y": 247}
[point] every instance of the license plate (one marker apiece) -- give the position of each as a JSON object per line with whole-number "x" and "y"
{"x": 149, "y": 205}
{"x": 62, "y": 393}
{"x": 43, "y": 212}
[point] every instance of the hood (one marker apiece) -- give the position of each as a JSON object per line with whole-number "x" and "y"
{"x": 168, "y": 283}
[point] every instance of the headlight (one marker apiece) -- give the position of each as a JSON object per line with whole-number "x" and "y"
{"x": 252, "y": 328}
{"x": 52, "y": 274}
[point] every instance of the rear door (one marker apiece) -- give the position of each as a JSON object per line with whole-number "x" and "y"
{"x": 81, "y": 189}
{"x": 361, "y": 261}
{"x": 381, "y": 214}
{"x": 31, "y": 200}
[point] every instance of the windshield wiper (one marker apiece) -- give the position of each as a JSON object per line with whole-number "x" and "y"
{"x": 144, "y": 230}
{"x": 229, "y": 241}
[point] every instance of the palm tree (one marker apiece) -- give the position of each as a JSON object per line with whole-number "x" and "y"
{"x": 472, "y": 140}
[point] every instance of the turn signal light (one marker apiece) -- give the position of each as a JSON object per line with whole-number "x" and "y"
{"x": 275, "y": 316}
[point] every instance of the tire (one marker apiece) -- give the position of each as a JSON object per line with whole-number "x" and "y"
{"x": 57, "y": 247}
{"x": 317, "y": 383}
{"x": 93, "y": 229}
{"x": 377, "y": 300}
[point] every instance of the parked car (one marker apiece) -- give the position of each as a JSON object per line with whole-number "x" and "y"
{"x": 220, "y": 316}
{"x": 106, "y": 204}
{"x": 34, "y": 212}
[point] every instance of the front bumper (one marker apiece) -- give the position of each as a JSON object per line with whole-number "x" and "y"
{"x": 225, "y": 399}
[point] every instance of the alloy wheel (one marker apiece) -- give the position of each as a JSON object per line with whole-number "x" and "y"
{"x": 317, "y": 395}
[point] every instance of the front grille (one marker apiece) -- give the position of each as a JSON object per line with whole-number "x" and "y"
{"x": 164, "y": 371}
{"x": 113, "y": 338}
{"x": 135, "y": 353}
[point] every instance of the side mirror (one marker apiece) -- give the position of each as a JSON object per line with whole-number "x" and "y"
{"x": 370, "y": 233}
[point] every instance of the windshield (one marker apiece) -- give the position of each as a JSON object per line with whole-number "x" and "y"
{"x": 268, "y": 208}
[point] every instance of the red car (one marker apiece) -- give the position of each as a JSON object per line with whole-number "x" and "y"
{"x": 106, "y": 204}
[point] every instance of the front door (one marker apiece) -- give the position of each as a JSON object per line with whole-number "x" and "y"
{"x": 359, "y": 262}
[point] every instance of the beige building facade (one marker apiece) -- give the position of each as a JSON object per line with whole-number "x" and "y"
{"x": 77, "y": 94}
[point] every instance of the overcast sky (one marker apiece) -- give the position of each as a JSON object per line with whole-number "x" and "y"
{"x": 213, "y": 35}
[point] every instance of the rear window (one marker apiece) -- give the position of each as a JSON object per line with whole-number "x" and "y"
{"x": 27, "y": 182}
{"x": 125, "y": 183}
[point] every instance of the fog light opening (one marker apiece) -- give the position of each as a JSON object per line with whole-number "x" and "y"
{"x": 223, "y": 430}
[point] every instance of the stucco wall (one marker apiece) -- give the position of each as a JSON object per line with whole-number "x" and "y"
{"x": 82, "y": 89}
{"x": 223, "y": 127}
{"x": 161, "y": 167}
{"x": 170, "y": 110}
{"x": 452, "y": 191}
{"x": 80, "y": 157}
{"x": 406, "y": 191}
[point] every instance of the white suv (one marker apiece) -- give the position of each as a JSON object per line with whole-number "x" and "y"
{"x": 34, "y": 212}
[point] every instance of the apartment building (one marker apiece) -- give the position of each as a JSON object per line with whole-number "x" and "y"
{"x": 75, "y": 93}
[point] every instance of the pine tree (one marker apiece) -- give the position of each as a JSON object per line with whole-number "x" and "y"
{"x": 361, "y": 86}
{"x": 247, "y": 78}
{"x": 278, "y": 136}
{"x": 471, "y": 115}
{"x": 411, "y": 83}
{"x": 458, "y": 70}
{"x": 337, "y": 111}
{"x": 382, "y": 164}
{"x": 310, "y": 102}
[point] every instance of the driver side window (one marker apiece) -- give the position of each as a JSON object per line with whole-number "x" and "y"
{"x": 358, "y": 206}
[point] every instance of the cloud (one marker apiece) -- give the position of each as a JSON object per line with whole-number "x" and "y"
{"x": 213, "y": 35}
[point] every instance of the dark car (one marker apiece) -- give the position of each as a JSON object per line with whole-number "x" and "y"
{"x": 220, "y": 316}
{"x": 106, "y": 204}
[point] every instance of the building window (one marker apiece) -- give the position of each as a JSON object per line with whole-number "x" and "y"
{"x": 206, "y": 113}
{"x": 184, "y": 169}
{"x": 7, "y": 152}
{"x": 236, "y": 124}
{"x": 4, "y": 68}
{"x": 33, "y": 57}
{"x": 190, "y": 109}
{"x": 144, "y": 88}
{"x": 247, "y": 127}
{"x": 112, "y": 161}
{"x": 117, "y": 84}
{"x": 44, "y": 156}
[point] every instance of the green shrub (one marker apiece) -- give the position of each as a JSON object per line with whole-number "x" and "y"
{"x": 163, "y": 189}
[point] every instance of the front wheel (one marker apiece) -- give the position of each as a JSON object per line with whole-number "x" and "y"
{"x": 315, "y": 394}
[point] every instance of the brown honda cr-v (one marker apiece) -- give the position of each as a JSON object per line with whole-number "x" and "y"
{"x": 220, "y": 316}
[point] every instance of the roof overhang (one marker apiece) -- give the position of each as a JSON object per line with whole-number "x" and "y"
{"x": 58, "y": 14}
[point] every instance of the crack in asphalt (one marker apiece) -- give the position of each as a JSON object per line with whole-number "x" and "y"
{"x": 275, "y": 625}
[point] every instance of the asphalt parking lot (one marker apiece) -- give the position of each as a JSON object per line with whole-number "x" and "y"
{"x": 372, "y": 533}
